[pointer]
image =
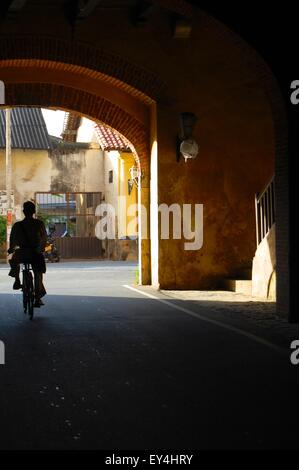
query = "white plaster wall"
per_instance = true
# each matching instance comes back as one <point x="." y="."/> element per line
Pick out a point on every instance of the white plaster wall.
<point x="263" y="265"/>
<point x="111" y="162"/>
<point x="94" y="179"/>
<point x="31" y="172"/>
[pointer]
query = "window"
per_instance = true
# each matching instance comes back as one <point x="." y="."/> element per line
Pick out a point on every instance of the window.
<point x="111" y="176"/>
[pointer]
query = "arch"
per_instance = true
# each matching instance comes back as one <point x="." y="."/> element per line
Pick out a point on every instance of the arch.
<point x="94" y="107"/>
<point x="103" y="98"/>
<point x="133" y="78"/>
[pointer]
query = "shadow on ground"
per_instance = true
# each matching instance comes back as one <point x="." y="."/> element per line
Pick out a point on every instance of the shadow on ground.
<point x="122" y="373"/>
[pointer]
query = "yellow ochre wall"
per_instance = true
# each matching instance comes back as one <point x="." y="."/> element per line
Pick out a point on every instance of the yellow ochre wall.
<point x="126" y="161"/>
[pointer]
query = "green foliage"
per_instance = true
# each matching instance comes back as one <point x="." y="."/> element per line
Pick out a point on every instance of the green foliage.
<point x="71" y="228"/>
<point x="137" y="275"/>
<point x="44" y="218"/>
<point x="2" y="229"/>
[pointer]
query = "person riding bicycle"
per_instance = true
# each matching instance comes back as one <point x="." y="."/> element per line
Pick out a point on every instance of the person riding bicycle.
<point x="28" y="239"/>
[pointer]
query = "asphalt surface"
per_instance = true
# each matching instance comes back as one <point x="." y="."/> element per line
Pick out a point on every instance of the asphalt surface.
<point x="105" y="367"/>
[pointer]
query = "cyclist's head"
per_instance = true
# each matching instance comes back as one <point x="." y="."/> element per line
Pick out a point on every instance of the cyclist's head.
<point x="29" y="208"/>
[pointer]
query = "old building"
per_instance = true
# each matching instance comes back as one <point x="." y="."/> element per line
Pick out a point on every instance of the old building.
<point x="69" y="180"/>
<point x="31" y="144"/>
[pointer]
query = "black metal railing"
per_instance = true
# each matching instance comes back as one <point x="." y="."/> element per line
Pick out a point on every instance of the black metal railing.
<point x="265" y="211"/>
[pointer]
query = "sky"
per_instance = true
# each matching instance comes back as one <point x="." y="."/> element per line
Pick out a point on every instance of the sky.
<point x="54" y="121"/>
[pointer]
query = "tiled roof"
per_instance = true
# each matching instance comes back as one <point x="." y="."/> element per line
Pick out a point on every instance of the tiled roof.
<point x="28" y="129"/>
<point x="110" y="139"/>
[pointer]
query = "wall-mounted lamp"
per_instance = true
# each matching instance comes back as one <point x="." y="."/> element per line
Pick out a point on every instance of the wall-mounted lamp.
<point x="134" y="178"/>
<point x="186" y="145"/>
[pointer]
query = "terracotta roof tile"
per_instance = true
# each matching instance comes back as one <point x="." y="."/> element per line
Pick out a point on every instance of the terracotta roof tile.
<point x="109" y="139"/>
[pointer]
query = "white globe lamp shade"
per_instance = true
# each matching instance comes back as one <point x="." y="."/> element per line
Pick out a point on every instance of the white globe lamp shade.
<point x="189" y="149"/>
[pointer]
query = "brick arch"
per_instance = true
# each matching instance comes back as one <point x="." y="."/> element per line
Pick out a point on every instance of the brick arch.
<point x="41" y="71"/>
<point x="87" y="104"/>
<point x="132" y="77"/>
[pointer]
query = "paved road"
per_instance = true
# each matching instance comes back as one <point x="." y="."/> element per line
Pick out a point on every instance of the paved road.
<point x="103" y="366"/>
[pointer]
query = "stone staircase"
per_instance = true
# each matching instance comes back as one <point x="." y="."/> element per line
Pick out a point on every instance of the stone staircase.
<point x="242" y="284"/>
<point x="260" y="278"/>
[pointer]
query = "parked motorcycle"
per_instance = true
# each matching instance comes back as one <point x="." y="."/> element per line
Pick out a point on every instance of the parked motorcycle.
<point x="51" y="252"/>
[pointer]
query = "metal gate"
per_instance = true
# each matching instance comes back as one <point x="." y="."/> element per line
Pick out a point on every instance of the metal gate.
<point x="71" y="221"/>
<point x="79" y="247"/>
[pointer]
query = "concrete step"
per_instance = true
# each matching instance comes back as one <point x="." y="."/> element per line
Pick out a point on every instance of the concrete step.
<point x="239" y="286"/>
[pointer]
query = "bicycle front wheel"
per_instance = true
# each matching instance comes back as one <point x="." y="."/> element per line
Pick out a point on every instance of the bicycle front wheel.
<point x="30" y="297"/>
<point x="25" y="292"/>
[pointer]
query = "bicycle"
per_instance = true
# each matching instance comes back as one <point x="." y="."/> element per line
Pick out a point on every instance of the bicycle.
<point x="28" y="289"/>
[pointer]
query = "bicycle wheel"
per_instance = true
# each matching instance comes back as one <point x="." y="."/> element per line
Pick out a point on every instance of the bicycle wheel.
<point x="25" y="302"/>
<point x="25" y="292"/>
<point x="30" y="297"/>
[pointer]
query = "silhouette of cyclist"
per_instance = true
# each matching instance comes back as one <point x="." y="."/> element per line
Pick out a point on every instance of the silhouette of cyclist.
<point x="27" y="242"/>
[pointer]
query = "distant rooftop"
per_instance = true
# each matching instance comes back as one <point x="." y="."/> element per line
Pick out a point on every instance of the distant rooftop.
<point x="110" y="139"/>
<point x="28" y="129"/>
